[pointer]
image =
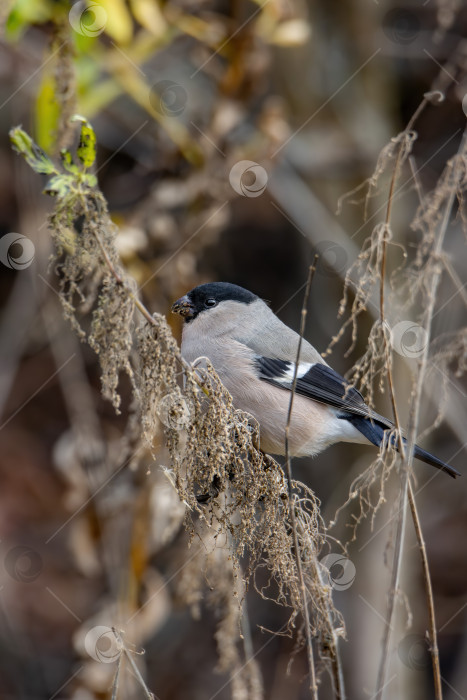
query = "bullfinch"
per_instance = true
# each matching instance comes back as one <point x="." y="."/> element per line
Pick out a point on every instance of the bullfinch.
<point x="254" y="354"/>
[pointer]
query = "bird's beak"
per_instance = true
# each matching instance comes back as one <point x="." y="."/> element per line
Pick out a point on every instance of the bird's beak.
<point x="184" y="307"/>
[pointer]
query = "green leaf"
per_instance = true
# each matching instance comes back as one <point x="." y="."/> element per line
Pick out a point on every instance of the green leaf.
<point x="59" y="186"/>
<point x="25" y="13"/>
<point x="35" y="156"/>
<point x="90" y="180"/>
<point x="67" y="161"/>
<point x="86" y="150"/>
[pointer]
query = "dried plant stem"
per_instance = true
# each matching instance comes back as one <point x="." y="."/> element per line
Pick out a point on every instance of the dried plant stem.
<point x="413" y="423"/>
<point x="429" y="595"/>
<point x="129" y="656"/>
<point x="458" y="283"/>
<point x="387" y="224"/>
<point x="256" y="684"/>
<point x="105" y="255"/>
<point x="336" y="666"/>
<point x="407" y="457"/>
<point x="402" y="509"/>
<point x="139" y="677"/>
<point x="398" y="548"/>
<point x="139" y="305"/>
<point x="414" y="418"/>
<point x="116" y="678"/>
<point x="293" y="520"/>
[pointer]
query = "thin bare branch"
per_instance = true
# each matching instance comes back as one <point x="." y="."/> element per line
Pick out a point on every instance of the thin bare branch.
<point x="335" y="660"/>
<point x="434" y="651"/>
<point x="293" y="521"/>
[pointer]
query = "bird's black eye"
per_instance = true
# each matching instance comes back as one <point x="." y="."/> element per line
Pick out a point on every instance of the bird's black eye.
<point x="210" y="303"/>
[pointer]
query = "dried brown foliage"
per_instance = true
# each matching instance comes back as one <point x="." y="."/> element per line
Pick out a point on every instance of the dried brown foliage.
<point x="406" y="291"/>
<point x="409" y="290"/>
<point x="236" y="497"/>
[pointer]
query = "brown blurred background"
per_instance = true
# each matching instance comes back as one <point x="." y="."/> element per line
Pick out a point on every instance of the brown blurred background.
<point x="178" y="94"/>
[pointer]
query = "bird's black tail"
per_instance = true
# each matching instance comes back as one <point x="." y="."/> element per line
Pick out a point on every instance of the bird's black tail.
<point x="428" y="458"/>
<point x="374" y="433"/>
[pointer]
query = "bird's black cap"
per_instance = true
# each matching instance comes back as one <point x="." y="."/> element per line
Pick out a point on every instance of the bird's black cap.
<point x="221" y="291"/>
<point x="209" y="295"/>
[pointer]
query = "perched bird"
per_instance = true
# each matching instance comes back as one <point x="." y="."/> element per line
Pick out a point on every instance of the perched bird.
<point x="254" y="354"/>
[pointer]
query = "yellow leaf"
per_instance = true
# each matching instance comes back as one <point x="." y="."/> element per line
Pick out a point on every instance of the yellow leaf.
<point x="46" y="114"/>
<point x="119" y="24"/>
<point x="149" y="15"/>
<point x="86" y="150"/>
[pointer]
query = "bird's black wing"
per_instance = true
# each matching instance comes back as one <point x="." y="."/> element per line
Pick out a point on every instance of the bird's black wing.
<point x="318" y="382"/>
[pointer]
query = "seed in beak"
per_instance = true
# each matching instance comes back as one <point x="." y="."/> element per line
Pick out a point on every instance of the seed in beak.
<point x="183" y="307"/>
